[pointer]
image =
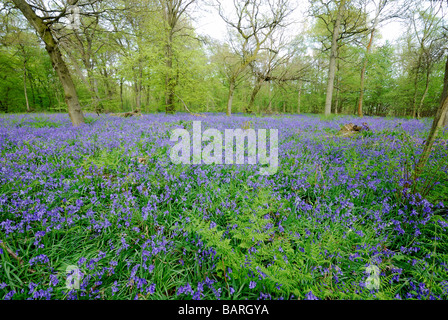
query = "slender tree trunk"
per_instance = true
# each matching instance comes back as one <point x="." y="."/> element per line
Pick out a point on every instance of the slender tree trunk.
<point x="299" y="96"/>
<point x="139" y="86"/>
<point x="169" y="81"/>
<point x="270" y="97"/>
<point x="121" y="94"/>
<point x="333" y="56"/>
<point x="364" y="67"/>
<point x="137" y="93"/>
<point x="366" y="59"/>
<point x="47" y="93"/>
<point x="25" y="91"/>
<point x="148" y="95"/>
<point x="75" y="64"/>
<point x="39" y="97"/>
<point x="93" y="88"/>
<point x="255" y="90"/>
<point x="137" y="98"/>
<point x="106" y="81"/>
<point x="24" y="88"/>
<point x="33" y="91"/>
<point x="89" y="64"/>
<point x="230" y="99"/>
<point x="440" y="119"/>
<point x="71" y="97"/>
<point x="361" y="94"/>
<point x="414" y="98"/>
<point x="336" y="100"/>
<point x="424" y="93"/>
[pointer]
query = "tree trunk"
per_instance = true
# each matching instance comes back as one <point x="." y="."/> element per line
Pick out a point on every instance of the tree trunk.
<point x="71" y="97"/>
<point x="361" y="94"/>
<point x="139" y="86"/>
<point x="270" y="97"/>
<point x="364" y="67"/>
<point x="440" y="119"/>
<point x="106" y="81"/>
<point x="25" y="91"/>
<point x="445" y="121"/>
<point x="33" y="91"/>
<point x="230" y="100"/>
<point x="333" y="56"/>
<point x="255" y="90"/>
<point x="47" y="93"/>
<point x="148" y="96"/>
<point x="363" y="71"/>
<point x="414" y="99"/>
<point x="137" y="93"/>
<point x="93" y="88"/>
<point x="169" y="81"/>
<point x="24" y="88"/>
<point x="75" y="64"/>
<point x="121" y="94"/>
<point x="299" y="96"/>
<point x="420" y="106"/>
<point x="336" y="100"/>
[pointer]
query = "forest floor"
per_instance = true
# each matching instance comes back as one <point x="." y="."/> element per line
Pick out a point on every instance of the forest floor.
<point x="341" y="218"/>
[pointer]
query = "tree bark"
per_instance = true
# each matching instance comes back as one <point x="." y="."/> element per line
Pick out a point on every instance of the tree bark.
<point x="169" y="81"/>
<point x="148" y="96"/>
<point x="24" y="87"/>
<point x="25" y="91"/>
<point x="299" y="96"/>
<point x="440" y="119"/>
<point x="87" y="55"/>
<point x="428" y="71"/>
<point x="121" y="94"/>
<point x="93" y="89"/>
<point x="33" y="91"/>
<point x="414" y="99"/>
<point x="445" y="121"/>
<point x="380" y="7"/>
<point x="230" y="99"/>
<point x="44" y="31"/>
<point x="336" y="100"/>
<point x="255" y="90"/>
<point x="333" y="56"/>
<point x="139" y="86"/>
<point x="363" y="71"/>
<point x="270" y="97"/>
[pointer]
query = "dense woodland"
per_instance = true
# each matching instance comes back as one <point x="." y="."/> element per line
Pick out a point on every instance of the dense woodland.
<point x="126" y="55"/>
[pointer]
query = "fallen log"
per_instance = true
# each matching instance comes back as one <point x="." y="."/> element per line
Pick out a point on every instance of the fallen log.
<point x="350" y="128"/>
<point x="135" y="113"/>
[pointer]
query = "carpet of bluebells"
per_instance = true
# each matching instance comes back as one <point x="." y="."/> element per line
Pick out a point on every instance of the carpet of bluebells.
<point x="106" y="199"/>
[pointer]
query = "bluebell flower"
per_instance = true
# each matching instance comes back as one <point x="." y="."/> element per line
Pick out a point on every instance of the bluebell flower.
<point x="311" y="296"/>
